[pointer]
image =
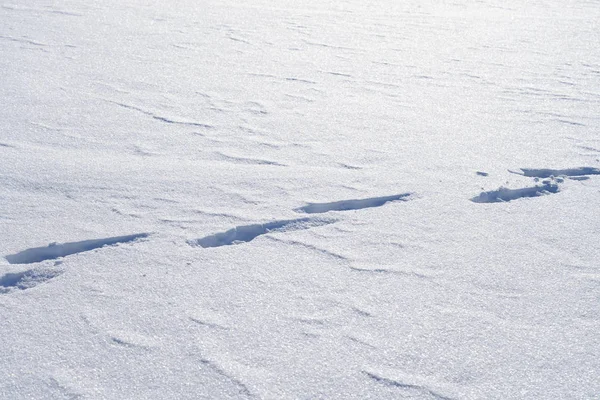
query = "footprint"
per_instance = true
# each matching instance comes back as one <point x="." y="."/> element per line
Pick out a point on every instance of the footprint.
<point x="27" y="279"/>
<point x="546" y="173"/>
<point x="241" y="234"/>
<point x="504" y="194"/>
<point x="56" y="250"/>
<point x="346" y="205"/>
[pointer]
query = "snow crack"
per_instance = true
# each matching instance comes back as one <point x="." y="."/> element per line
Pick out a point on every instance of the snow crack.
<point x="160" y="117"/>
<point x="243" y="389"/>
<point x="404" y="385"/>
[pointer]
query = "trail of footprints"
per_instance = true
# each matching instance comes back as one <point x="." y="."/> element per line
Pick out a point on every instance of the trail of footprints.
<point x="550" y="184"/>
<point x="241" y="234"/>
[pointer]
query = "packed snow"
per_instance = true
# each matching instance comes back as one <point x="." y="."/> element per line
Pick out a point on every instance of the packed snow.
<point x="307" y="199"/>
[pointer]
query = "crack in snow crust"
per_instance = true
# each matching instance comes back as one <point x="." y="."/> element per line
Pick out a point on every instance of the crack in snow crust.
<point x="160" y="117"/>
<point x="57" y="250"/>
<point x="242" y="388"/>
<point x="246" y="233"/>
<point x="347" y="205"/>
<point x="403" y="385"/>
<point x="504" y="194"/>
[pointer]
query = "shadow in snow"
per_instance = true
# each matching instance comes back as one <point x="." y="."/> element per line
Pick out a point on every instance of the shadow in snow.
<point x="56" y="250"/>
<point x="241" y="234"/>
<point x="26" y="279"/>
<point x="546" y="173"/>
<point x="346" y="205"/>
<point x="504" y="194"/>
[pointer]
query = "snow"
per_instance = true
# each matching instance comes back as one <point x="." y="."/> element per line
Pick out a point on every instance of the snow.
<point x="299" y="200"/>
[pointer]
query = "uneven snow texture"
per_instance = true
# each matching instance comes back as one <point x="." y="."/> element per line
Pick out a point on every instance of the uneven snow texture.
<point x="299" y="199"/>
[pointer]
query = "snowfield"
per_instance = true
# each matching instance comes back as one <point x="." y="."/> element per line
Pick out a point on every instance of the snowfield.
<point x="299" y="199"/>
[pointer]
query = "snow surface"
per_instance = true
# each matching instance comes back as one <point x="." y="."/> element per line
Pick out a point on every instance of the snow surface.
<point x="133" y="132"/>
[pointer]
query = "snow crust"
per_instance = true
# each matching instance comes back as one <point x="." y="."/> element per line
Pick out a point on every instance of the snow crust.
<point x="299" y="199"/>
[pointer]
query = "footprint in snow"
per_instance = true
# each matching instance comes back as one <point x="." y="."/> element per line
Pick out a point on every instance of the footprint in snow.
<point x="357" y="204"/>
<point x="28" y="279"/>
<point x="57" y="250"/>
<point x="246" y="233"/>
<point x="547" y="172"/>
<point x="504" y="194"/>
